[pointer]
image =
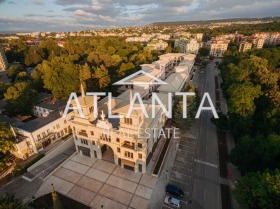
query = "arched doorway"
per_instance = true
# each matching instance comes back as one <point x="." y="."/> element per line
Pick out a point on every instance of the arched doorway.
<point x="107" y="153"/>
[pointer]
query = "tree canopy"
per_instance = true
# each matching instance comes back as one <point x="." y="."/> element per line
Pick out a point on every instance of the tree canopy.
<point x="259" y="190"/>
<point x="9" y="201"/>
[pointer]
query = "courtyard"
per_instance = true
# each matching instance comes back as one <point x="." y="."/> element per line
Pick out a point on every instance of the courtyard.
<point x="100" y="184"/>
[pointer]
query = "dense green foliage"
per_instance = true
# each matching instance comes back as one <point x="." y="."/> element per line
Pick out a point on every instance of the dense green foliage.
<point x="97" y="62"/>
<point x="259" y="190"/>
<point x="257" y="154"/>
<point x="7" y="143"/>
<point x="20" y="94"/>
<point x="192" y="106"/>
<point x="251" y="85"/>
<point x="9" y="201"/>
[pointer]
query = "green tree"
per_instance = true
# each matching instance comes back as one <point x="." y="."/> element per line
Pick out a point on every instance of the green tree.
<point x="259" y="190"/>
<point x="9" y="201"/>
<point x="85" y="74"/>
<point x="13" y="70"/>
<point x="126" y="68"/>
<point x="192" y="106"/>
<point x="7" y="143"/>
<point x="52" y="55"/>
<point x="256" y="154"/>
<point x="168" y="49"/>
<point x="203" y="52"/>
<point x="34" y="56"/>
<point x="61" y="76"/>
<point x="20" y="95"/>
<point x="241" y="98"/>
<point x="103" y="77"/>
<point x="221" y="123"/>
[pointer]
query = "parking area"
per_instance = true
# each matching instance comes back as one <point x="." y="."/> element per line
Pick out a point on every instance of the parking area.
<point x="182" y="170"/>
<point x="100" y="184"/>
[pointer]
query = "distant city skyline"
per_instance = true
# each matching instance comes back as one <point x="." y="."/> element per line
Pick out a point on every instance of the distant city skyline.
<point x="71" y="15"/>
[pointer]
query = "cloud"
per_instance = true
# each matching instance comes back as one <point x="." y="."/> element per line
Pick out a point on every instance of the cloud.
<point x="80" y="12"/>
<point x="37" y="2"/>
<point x="87" y="14"/>
<point x="72" y="2"/>
<point x="107" y="18"/>
<point x="40" y="15"/>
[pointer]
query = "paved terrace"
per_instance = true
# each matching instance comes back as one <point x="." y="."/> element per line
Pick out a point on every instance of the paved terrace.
<point x="97" y="182"/>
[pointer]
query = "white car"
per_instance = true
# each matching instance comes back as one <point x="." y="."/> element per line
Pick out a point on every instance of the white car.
<point x="171" y="201"/>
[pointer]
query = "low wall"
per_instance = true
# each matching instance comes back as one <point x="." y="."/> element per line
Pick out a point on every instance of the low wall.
<point x="56" y="151"/>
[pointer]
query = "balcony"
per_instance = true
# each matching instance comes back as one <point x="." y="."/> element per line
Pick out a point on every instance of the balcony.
<point x="129" y="146"/>
<point x="82" y="133"/>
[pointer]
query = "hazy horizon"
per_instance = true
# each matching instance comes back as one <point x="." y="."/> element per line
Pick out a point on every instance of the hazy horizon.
<point x="73" y="15"/>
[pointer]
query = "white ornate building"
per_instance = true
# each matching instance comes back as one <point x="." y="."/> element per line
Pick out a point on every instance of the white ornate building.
<point x="120" y="141"/>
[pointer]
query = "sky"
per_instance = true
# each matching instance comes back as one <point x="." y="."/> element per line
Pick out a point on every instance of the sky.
<point x="72" y="15"/>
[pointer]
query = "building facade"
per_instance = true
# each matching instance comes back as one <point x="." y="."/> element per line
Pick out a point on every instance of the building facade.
<point x="117" y="140"/>
<point x="157" y="45"/>
<point x="245" y="46"/>
<point x="218" y="47"/>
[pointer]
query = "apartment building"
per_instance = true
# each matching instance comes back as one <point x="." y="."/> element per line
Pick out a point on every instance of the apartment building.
<point x="218" y="47"/>
<point x="257" y="42"/>
<point x="197" y="36"/>
<point x="270" y="38"/>
<point x="3" y="60"/>
<point x="188" y="45"/>
<point x="245" y="46"/>
<point x="157" y="45"/>
<point x="254" y="41"/>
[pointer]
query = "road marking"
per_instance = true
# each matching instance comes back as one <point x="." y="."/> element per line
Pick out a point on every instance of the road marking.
<point x="206" y="163"/>
<point x="26" y="178"/>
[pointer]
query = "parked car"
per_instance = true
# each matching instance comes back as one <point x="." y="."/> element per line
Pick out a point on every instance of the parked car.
<point x="174" y="190"/>
<point x="171" y="201"/>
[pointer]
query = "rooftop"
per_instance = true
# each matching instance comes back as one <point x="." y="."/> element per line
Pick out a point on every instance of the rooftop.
<point x="126" y="95"/>
<point x="171" y="55"/>
<point x="50" y="103"/>
<point x="175" y="83"/>
<point x="40" y="122"/>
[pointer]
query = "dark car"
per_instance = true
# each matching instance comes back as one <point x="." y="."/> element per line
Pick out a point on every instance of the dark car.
<point x="174" y="190"/>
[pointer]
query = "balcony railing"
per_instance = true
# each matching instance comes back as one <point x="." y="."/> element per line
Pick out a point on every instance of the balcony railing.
<point x="129" y="146"/>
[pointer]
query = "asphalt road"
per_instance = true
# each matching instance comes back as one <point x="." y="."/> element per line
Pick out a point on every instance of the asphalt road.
<point x="25" y="189"/>
<point x="206" y="189"/>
